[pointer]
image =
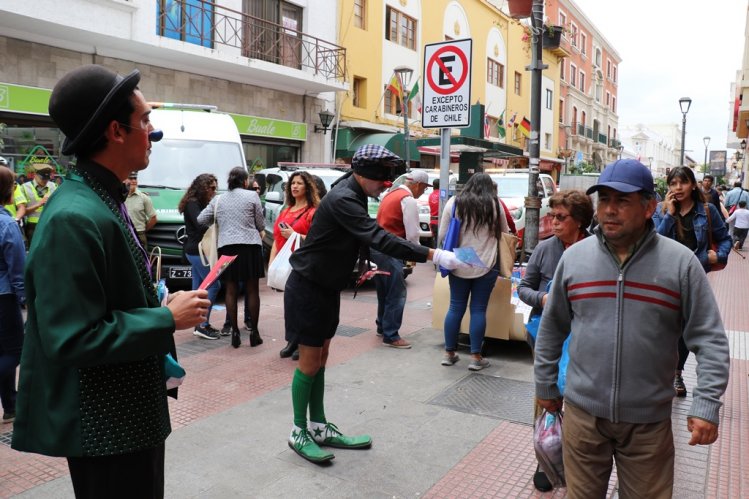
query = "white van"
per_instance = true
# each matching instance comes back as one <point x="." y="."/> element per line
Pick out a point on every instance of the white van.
<point x="197" y="139"/>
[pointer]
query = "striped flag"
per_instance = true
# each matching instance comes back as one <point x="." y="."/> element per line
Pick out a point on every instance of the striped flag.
<point x="395" y="86"/>
<point x="487" y="130"/>
<point x="415" y="98"/>
<point x="525" y="127"/>
<point x="501" y="125"/>
<point x="511" y="123"/>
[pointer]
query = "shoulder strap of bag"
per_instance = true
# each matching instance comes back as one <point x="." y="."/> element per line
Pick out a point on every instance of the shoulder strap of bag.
<point x="300" y="215"/>
<point x="215" y="211"/>
<point x="709" y="227"/>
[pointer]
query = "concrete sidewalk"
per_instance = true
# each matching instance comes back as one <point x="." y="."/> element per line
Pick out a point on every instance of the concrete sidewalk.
<point x="437" y="431"/>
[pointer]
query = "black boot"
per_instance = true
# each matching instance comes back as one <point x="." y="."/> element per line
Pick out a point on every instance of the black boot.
<point x="288" y="350"/>
<point x="255" y="338"/>
<point x="235" y="339"/>
<point x="541" y="481"/>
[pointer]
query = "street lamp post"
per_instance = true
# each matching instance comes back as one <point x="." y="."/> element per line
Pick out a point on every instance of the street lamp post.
<point x="621" y="150"/>
<point x="684" y="104"/>
<point x="706" y="140"/>
<point x="404" y="74"/>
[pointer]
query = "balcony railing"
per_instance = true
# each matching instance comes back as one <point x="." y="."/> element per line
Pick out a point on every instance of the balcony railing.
<point x="602" y="139"/>
<point x="208" y="24"/>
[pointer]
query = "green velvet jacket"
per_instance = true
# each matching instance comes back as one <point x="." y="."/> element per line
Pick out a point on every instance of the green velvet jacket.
<point x="92" y="376"/>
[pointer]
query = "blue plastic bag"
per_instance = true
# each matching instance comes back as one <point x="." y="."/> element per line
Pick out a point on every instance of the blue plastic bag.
<point x="451" y="239"/>
<point x="532" y="327"/>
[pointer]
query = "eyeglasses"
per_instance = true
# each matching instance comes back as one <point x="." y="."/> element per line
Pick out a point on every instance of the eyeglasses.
<point x="559" y="217"/>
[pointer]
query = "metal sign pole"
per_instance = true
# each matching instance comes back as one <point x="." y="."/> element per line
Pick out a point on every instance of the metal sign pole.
<point x="533" y="202"/>
<point x="444" y="173"/>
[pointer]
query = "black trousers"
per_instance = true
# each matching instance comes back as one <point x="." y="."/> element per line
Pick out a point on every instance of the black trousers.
<point x="138" y="474"/>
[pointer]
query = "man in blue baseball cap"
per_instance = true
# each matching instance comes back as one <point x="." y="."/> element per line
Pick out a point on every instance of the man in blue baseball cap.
<point x="626" y="296"/>
<point x="341" y="232"/>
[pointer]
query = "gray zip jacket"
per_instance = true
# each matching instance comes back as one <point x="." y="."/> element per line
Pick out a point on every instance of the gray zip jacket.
<point x="625" y="325"/>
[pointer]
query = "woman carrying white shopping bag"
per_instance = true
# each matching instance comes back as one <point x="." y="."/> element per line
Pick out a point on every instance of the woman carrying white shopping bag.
<point x="302" y="198"/>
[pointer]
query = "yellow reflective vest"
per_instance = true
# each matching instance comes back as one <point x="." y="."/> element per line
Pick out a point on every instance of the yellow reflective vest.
<point x="31" y="195"/>
<point x="18" y="197"/>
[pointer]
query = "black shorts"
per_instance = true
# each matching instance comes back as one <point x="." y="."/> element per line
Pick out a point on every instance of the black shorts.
<point x="311" y="312"/>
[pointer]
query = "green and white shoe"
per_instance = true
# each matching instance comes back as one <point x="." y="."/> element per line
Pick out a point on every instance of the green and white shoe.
<point x="327" y="434"/>
<point x="303" y="444"/>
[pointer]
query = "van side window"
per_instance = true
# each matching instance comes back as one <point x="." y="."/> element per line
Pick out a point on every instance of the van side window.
<point x="548" y="186"/>
<point x="274" y="183"/>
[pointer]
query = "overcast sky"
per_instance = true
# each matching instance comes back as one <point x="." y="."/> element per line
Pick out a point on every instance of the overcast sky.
<point x="672" y="49"/>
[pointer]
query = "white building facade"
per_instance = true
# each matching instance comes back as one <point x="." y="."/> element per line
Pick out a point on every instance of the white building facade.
<point x="272" y="64"/>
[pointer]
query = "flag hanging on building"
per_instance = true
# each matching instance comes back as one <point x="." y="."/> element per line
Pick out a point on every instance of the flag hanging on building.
<point x="525" y="127"/>
<point x="415" y="98"/>
<point x="395" y="86"/>
<point x="501" y="125"/>
<point x="487" y="130"/>
<point x="511" y="123"/>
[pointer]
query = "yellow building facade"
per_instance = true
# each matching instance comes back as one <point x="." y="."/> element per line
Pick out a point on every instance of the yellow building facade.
<point x="381" y="35"/>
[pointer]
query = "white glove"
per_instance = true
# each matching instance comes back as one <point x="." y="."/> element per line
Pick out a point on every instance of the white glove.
<point x="448" y="260"/>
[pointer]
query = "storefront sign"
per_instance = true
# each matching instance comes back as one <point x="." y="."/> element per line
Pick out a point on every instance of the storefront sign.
<point x="266" y="127"/>
<point x="37" y="158"/>
<point x="22" y="99"/>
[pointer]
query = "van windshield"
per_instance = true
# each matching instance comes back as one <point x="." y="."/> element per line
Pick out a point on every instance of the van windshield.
<point x="175" y="163"/>
<point x="511" y="187"/>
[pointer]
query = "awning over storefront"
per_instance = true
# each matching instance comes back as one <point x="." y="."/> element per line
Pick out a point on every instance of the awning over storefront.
<point x="435" y="151"/>
<point x="350" y="139"/>
<point x="459" y="143"/>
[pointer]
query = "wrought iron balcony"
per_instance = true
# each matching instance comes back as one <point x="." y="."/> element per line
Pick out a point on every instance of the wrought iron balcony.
<point x="211" y="25"/>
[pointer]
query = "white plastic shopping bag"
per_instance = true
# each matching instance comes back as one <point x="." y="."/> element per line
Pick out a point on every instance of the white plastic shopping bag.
<point x="547" y="441"/>
<point x="279" y="270"/>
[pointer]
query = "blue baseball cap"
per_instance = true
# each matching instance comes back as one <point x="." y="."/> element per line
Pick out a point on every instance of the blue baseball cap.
<point x="625" y="175"/>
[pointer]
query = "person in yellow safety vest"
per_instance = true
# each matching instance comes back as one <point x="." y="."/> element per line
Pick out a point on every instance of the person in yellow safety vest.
<point x="36" y="193"/>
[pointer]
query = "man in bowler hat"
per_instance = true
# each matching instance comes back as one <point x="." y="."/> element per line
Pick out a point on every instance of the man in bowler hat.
<point x="92" y="386"/>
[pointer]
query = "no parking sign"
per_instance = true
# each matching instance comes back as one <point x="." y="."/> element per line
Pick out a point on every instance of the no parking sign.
<point x="447" y="84"/>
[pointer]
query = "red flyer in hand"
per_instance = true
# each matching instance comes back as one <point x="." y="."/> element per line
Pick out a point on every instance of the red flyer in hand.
<point x="221" y="264"/>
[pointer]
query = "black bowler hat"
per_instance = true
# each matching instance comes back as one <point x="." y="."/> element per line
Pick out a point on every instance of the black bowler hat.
<point x="84" y="101"/>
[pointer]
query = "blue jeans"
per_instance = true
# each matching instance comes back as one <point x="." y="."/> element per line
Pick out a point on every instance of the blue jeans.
<point x="199" y="272"/>
<point x="479" y="290"/>
<point x="391" y="296"/>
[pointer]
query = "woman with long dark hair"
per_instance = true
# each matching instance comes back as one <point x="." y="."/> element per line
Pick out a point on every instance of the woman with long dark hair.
<point x="199" y="194"/>
<point x="683" y="216"/>
<point x="481" y="222"/>
<point x="301" y="202"/>
<point x="240" y="220"/>
<point x="12" y="296"/>
<point x="301" y="199"/>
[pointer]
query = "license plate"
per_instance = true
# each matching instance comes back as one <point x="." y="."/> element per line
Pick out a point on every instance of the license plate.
<point x="180" y="272"/>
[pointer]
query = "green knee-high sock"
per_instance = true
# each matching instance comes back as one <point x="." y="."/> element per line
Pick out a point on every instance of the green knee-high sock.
<point x="316" y="406"/>
<point x="301" y="387"/>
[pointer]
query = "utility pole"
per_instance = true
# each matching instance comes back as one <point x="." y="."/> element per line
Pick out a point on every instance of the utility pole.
<point x="533" y="201"/>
